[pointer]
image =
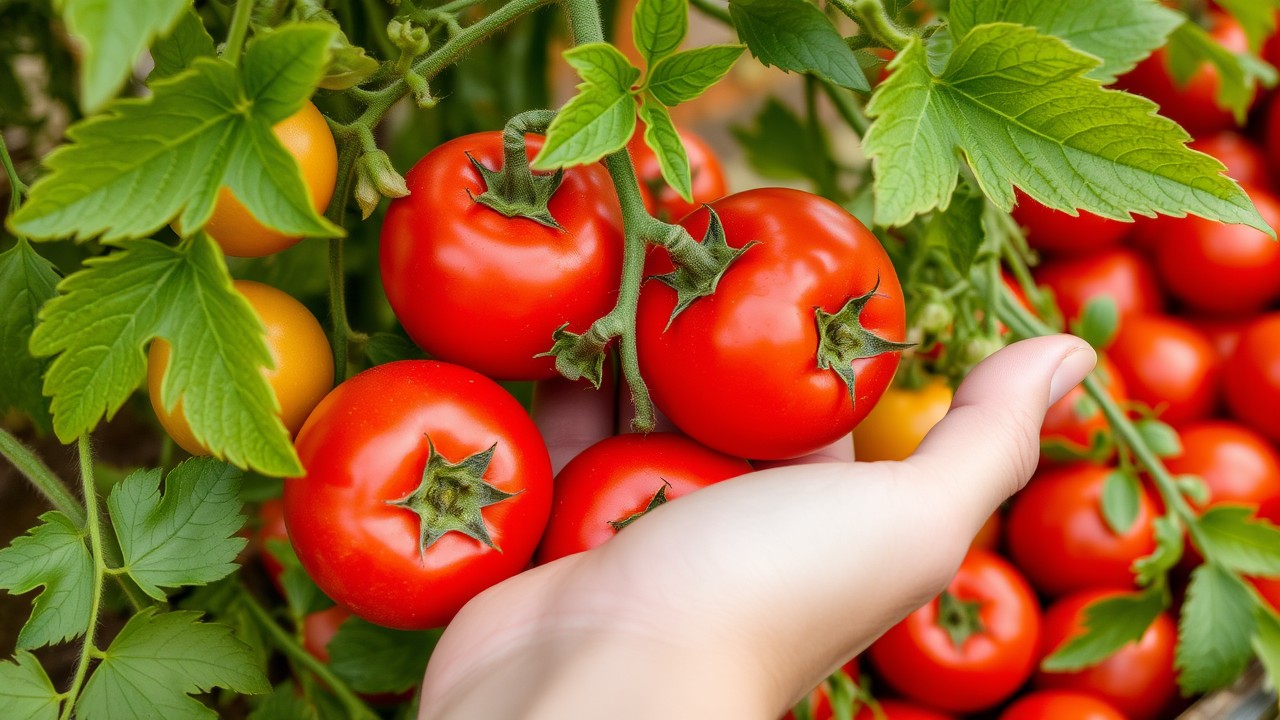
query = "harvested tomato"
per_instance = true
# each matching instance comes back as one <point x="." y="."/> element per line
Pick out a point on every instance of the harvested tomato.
<point x="1060" y="705"/>
<point x="1076" y="420"/>
<point x="1251" y="377"/>
<point x="425" y="484"/>
<point x="971" y="647"/>
<point x="705" y="174"/>
<point x="475" y="287"/>
<point x="1057" y="535"/>
<point x="739" y="370"/>
<point x="896" y="425"/>
<point x="1058" y="232"/>
<point x="1169" y="366"/>
<point x="1244" y="160"/>
<point x="612" y="483"/>
<point x="1137" y="680"/>
<point x="1119" y="274"/>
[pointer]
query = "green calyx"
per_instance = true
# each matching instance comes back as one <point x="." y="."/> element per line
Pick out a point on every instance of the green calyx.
<point x="515" y="191"/>
<point x="577" y="356"/>
<point x="451" y="496"/>
<point x="699" y="266"/>
<point x="659" y="498"/>
<point x="842" y="339"/>
<point x="961" y="619"/>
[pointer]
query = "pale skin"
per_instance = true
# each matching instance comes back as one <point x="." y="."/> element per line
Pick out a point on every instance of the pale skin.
<point x="737" y="600"/>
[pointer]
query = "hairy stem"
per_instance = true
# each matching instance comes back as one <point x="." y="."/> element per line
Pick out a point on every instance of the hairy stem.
<point x="38" y="473"/>
<point x="340" y="332"/>
<point x="17" y="189"/>
<point x="239" y="28"/>
<point x="873" y="20"/>
<point x="93" y="524"/>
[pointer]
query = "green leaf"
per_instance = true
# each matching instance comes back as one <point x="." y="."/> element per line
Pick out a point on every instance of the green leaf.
<point x="1266" y="642"/>
<point x="374" y="659"/>
<point x="112" y="35"/>
<point x="285" y="702"/>
<point x="796" y="36"/>
<point x="1009" y="100"/>
<point x="1238" y="75"/>
<point x="53" y="555"/>
<point x="27" y="281"/>
<point x="601" y="118"/>
<point x="1214" y="631"/>
<point x="658" y="27"/>
<point x="178" y="50"/>
<point x="1099" y="322"/>
<point x="348" y="64"/>
<point x="1119" y="33"/>
<point x="1257" y="17"/>
<point x="186" y="537"/>
<point x="25" y="690"/>
<point x="1231" y="536"/>
<point x="781" y="146"/>
<point x="132" y="169"/>
<point x="661" y="136"/>
<point x="109" y="310"/>
<point x="959" y="229"/>
<point x="158" y="660"/>
<point x="686" y="75"/>
<point x="1169" y="546"/>
<point x="1121" y="495"/>
<point x="383" y="348"/>
<point x="1160" y="437"/>
<point x="1110" y="624"/>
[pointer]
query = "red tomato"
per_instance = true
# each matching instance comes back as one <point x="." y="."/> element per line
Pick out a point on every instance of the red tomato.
<point x="614" y="481"/>
<point x="474" y="287"/>
<point x="1076" y="419"/>
<point x="1056" y="533"/>
<point x="705" y="174"/>
<point x="1223" y="333"/>
<point x="1252" y="377"/>
<point x="918" y="658"/>
<point x="898" y="710"/>
<point x="1244" y="160"/>
<point x="1059" y="705"/>
<point x="1120" y="274"/>
<point x="1194" y="105"/>
<point x="1237" y="464"/>
<point x="369" y="502"/>
<point x="1137" y="680"/>
<point x="318" y="629"/>
<point x="1271" y="132"/>
<point x="1166" y="364"/>
<point x="1055" y="231"/>
<point x="737" y="370"/>
<point x="1219" y="268"/>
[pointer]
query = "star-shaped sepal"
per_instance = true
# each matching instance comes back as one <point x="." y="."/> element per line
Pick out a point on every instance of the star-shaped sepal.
<point x="698" y="272"/>
<point x="451" y="496"/>
<point x="515" y="191"/>
<point x="577" y="356"/>
<point x="842" y="339"/>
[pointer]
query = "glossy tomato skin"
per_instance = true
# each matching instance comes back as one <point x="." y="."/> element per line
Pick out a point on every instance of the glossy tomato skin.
<point x="474" y="287"/>
<point x="918" y="659"/>
<point x="899" y="710"/>
<point x="705" y="174"/>
<point x="1238" y="465"/>
<point x="306" y="136"/>
<point x="617" y="477"/>
<point x="1120" y="274"/>
<point x="737" y="370"/>
<point x="366" y="445"/>
<point x="1252" y="377"/>
<point x="300" y="351"/>
<point x="1244" y="160"/>
<point x="1138" y="680"/>
<point x="1054" y="231"/>
<point x="1057" y="536"/>
<point x="896" y="425"/>
<point x="1073" y="421"/>
<point x="1167" y="364"/>
<point x="1222" y="269"/>
<point x="1060" y="705"/>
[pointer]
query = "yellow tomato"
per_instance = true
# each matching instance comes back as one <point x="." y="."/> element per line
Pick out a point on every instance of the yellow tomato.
<point x="303" y="371"/>
<point x="306" y="136"/>
<point x="898" y="423"/>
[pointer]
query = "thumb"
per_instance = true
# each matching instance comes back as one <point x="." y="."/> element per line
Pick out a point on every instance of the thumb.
<point x="988" y="445"/>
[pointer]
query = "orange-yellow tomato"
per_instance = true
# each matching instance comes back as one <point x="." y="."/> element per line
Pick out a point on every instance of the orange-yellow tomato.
<point x="306" y="136"/>
<point x="303" y="371"/>
<point x="900" y="421"/>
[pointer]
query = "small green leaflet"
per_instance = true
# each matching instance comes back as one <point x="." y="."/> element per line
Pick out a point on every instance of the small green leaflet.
<point x="1118" y="32"/>
<point x="1235" y="539"/>
<point x="959" y="229"/>
<point x="386" y="347"/>
<point x="186" y="537"/>
<point x="112" y="35"/>
<point x="1151" y="570"/>
<point x="598" y="120"/>
<point x="1214" y="631"/>
<point x="684" y="76"/>
<point x="27" y="281"/>
<point x="1009" y="100"/>
<point x="796" y="36"/>
<point x="658" y="27"/>
<point x="300" y="591"/>
<point x="285" y="702"/>
<point x="1257" y="17"/>
<point x="780" y="146"/>
<point x="157" y="660"/>
<point x="1266" y="642"/>
<point x="1121" y="497"/>
<point x="52" y="554"/>
<point x="1162" y="439"/>
<point x="1099" y="322"/>
<point x="1238" y="75"/>
<point x="177" y="51"/>
<point x="25" y="690"/>
<point x="107" y="313"/>
<point x="661" y="136"/>
<point x="348" y="64"/>
<point x="132" y="169"/>
<point x="374" y="659"/>
<point x="1110" y="624"/>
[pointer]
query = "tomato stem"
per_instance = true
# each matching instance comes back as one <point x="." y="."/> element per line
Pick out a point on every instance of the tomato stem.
<point x="17" y="188"/>
<point x="340" y="332"/>
<point x="711" y="10"/>
<point x="239" y="28"/>
<point x="38" y="473"/>
<point x="93" y="525"/>
<point x="873" y="20"/>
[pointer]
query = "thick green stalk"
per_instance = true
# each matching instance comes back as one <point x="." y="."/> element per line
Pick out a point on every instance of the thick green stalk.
<point x="239" y="28"/>
<point x="39" y="474"/>
<point x="711" y="10"/>
<point x="17" y="188"/>
<point x="873" y="20"/>
<point x="340" y="332"/>
<point x="93" y="524"/>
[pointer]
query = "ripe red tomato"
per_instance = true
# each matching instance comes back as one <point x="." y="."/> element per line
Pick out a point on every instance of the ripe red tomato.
<point x="1076" y="419"/>
<point x="1224" y="269"/>
<point x="1060" y="705"/>
<point x="1237" y="464"/>
<point x="1252" y="377"/>
<point x="738" y="370"/>
<point x="1194" y="105"/>
<point x="1168" y="365"/>
<point x="898" y="710"/>
<point x="1120" y="274"/>
<point x="1054" y="231"/>
<point x="615" y="480"/>
<point x="706" y="176"/>
<point x="1057" y="535"/>
<point x="1244" y="160"/>
<point x="363" y="518"/>
<point x="318" y="629"/>
<point x="1137" y="680"/>
<point x="474" y="287"/>
<point x="919" y="659"/>
<point x="900" y="420"/>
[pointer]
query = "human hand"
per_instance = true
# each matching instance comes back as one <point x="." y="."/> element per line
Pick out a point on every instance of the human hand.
<point x="738" y="599"/>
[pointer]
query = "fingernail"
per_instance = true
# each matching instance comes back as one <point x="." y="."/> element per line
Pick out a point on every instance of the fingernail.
<point x="1073" y="369"/>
